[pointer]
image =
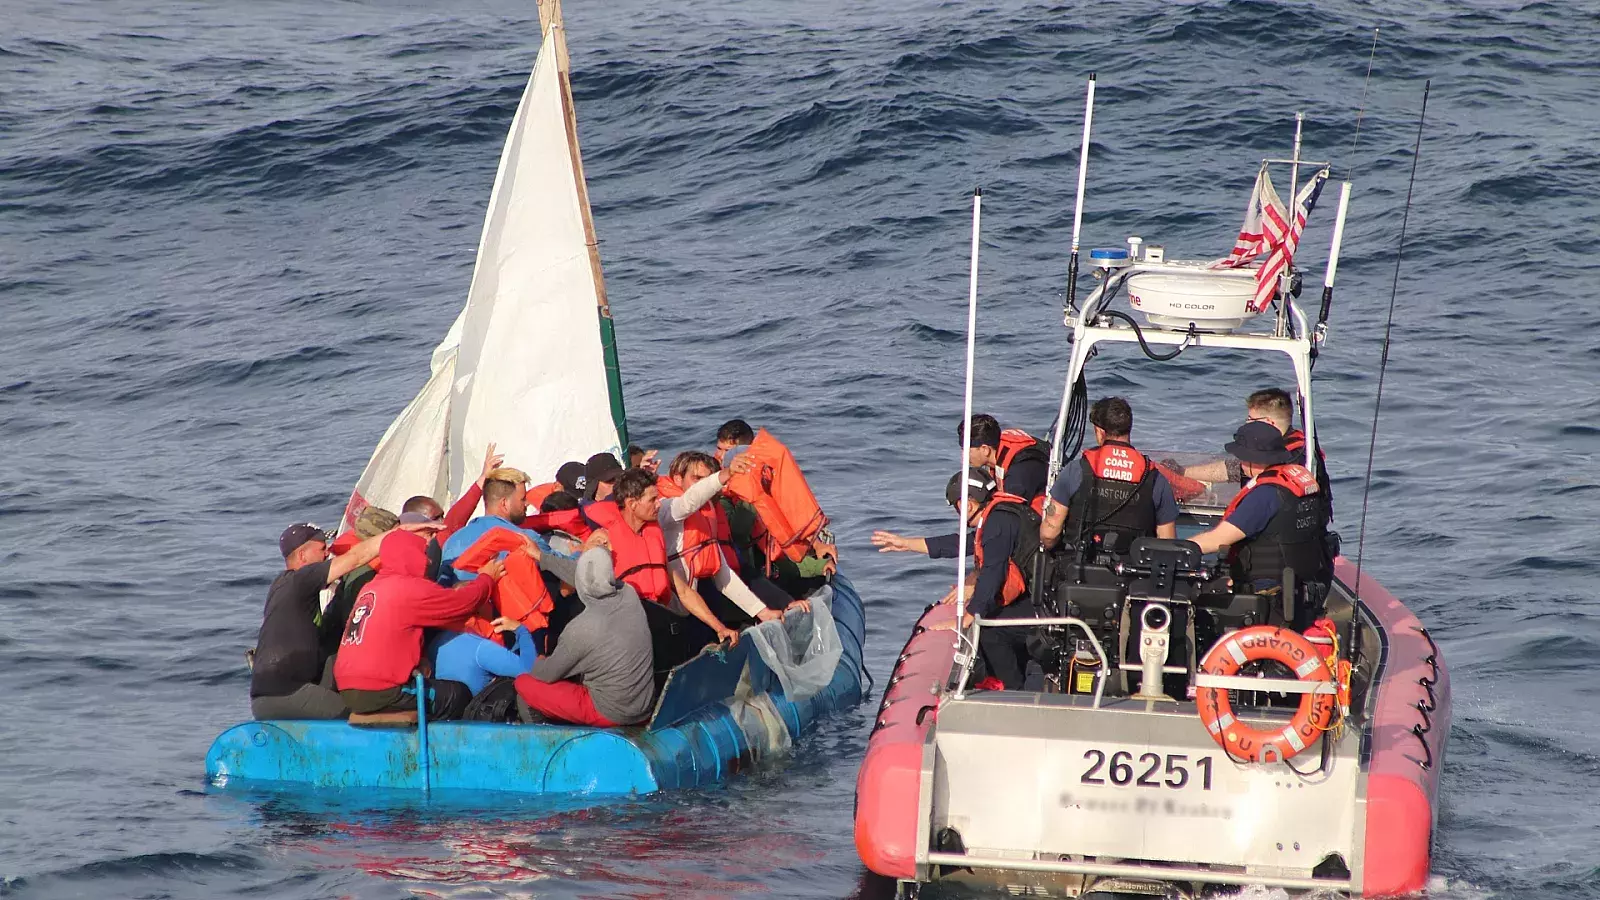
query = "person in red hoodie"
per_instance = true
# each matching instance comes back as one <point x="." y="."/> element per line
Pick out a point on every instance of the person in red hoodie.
<point x="382" y="645"/>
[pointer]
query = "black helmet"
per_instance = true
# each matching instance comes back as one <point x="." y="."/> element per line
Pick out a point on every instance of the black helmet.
<point x="980" y="487"/>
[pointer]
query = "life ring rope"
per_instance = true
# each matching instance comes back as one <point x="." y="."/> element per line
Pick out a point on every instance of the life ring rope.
<point x="1259" y="643"/>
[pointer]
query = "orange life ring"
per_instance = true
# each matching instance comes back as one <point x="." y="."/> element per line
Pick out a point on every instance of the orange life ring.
<point x="1263" y="642"/>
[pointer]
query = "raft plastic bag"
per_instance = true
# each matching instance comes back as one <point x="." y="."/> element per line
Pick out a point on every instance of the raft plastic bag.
<point x="802" y="649"/>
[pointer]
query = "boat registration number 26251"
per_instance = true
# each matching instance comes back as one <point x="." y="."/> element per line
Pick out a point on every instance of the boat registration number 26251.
<point x="1150" y="770"/>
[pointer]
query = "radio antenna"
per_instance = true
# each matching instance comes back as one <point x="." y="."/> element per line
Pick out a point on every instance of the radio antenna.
<point x="1319" y="333"/>
<point x="1388" y="326"/>
<point x="1361" y="111"/>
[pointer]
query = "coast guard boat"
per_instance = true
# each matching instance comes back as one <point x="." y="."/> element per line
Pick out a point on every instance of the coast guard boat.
<point x="530" y="363"/>
<point x="1176" y="738"/>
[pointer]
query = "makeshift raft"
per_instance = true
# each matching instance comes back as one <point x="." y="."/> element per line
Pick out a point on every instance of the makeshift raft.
<point x="722" y="712"/>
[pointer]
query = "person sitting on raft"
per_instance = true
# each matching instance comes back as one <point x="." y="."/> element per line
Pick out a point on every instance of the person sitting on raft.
<point x="382" y="645"/>
<point x="699" y="545"/>
<point x="372" y="522"/>
<point x="475" y="661"/>
<point x="291" y="678"/>
<point x="774" y="521"/>
<point x="505" y="505"/>
<point x="601" y="673"/>
<point x="634" y="518"/>
<point x="600" y="476"/>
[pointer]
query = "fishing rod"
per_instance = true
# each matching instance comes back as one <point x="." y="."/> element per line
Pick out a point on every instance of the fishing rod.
<point x="966" y="438"/>
<point x="1077" y="215"/>
<point x="1388" y="327"/>
<point x="1319" y="333"/>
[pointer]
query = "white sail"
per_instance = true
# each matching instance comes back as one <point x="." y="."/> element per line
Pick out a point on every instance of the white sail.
<point x="531" y="371"/>
<point x="523" y="365"/>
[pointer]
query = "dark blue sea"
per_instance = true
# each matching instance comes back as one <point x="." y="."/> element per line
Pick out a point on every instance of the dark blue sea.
<point x="230" y="234"/>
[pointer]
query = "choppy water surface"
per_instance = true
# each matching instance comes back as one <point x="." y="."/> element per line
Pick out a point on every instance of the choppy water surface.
<point x="230" y="234"/>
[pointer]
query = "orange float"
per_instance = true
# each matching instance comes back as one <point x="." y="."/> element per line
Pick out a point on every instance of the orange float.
<point x="1255" y="644"/>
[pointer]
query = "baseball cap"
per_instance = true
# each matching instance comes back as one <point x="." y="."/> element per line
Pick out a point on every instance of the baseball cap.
<point x="600" y="467"/>
<point x="980" y="487"/>
<point x="374" y="521"/>
<point x="296" y="536"/>
<point x="1260" y="443"/>
<point x="571" y="477"/>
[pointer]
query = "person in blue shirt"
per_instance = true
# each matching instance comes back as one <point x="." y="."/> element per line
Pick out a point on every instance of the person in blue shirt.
<point x="1113" y="495"/>
<point x="1279" y="521"/>
<point x="474" y="661"/>
<point x="505" y="505"/>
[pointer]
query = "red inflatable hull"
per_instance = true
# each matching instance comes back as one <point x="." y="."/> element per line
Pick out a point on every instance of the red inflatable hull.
<point x="1411" y="720"/>
<point x="889" y="779"/>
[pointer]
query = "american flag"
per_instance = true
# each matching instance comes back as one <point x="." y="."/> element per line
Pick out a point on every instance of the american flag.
<point x="1267" y="230"/>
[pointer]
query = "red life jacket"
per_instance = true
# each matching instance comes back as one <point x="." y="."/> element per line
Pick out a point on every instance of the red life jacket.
<point x="1015" y="445"/>
<point x="538" y="493"/>
<point x="1114" y="497"/>
<point x="639" y="557"/>
<point x="1295" y="537"/>
<point x="1019" y="568"/>
<point x="700" y="553"/>
<point x="570" y="521"/>
<point x="1292" y="477"/>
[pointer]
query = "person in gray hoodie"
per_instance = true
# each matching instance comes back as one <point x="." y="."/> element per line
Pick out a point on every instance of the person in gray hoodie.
<point x="601" y="672"/>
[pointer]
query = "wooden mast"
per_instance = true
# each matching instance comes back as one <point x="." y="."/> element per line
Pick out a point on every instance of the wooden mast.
<point x="551" y="23"/>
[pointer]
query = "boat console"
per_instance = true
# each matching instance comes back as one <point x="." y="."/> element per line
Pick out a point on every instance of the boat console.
<point x="1157" y="610"/>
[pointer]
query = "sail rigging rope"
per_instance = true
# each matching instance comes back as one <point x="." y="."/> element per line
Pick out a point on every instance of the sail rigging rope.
<point x="1388" y="327"/>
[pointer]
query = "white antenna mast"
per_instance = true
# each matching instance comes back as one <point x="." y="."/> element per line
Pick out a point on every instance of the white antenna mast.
<point x="966" y="429"/>
<point x="1077" y="215"/>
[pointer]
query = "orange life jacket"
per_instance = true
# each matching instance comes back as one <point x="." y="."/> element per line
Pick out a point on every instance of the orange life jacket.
<point x="700" y="553"/>
<point x="1019" y="566"/>
<point x="1017" y="444"/>
<point x="521" y="594"/>
<point x="787" y="515"/>
<point x="538" y="493"/>
<point x="639" y="557"/>
<point x="570" y="521"/>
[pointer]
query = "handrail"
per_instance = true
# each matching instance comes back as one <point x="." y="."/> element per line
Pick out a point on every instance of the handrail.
<point x="1105" y="661"/>
<point x="1126" y="870"/>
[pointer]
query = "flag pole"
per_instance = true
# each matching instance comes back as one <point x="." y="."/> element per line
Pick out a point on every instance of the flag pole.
<point x="966" y="433"/>
<point x="1077" y="215"/>
<point x="1284" y="277"/>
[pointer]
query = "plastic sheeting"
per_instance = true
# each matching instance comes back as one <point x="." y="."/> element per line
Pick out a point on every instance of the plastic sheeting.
<point x="803" y="649"/>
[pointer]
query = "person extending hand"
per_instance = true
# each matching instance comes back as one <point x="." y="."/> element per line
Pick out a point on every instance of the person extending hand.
<point x="494" y="568"/>
<point x="889" y="542"/>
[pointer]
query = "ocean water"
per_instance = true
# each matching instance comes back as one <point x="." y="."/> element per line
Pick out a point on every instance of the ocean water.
<point x="230" y="233"/>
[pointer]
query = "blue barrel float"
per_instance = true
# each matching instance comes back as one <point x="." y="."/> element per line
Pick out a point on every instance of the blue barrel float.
<point x="719" y="713"/>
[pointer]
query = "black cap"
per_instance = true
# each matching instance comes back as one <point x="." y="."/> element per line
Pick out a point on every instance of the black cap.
<point x="571" y="478"/>
<point x="980" y="487"/>
<point x="1260" y="443"/>
<point x="296" y="536"/>
<point x="600" y="467"/>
